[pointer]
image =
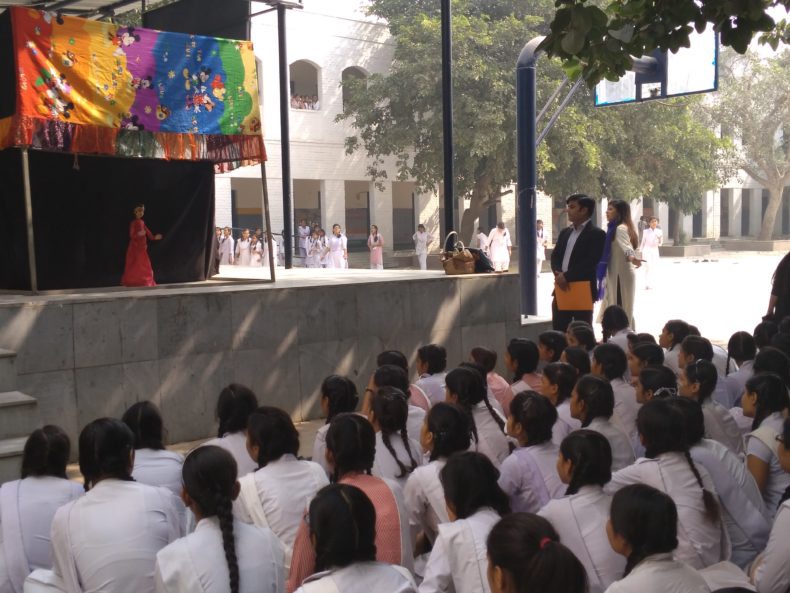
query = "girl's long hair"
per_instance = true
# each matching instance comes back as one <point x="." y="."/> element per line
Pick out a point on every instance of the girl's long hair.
<point x="624" y="217"/>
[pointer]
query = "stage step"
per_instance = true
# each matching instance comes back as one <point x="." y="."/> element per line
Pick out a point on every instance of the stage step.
<point x="18" y="414"/>
<point x="7" y="370"/>
<point x="11" y="458"/>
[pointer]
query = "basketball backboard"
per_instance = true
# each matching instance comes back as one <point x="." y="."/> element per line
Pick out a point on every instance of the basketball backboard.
<point x="664" y="74"/>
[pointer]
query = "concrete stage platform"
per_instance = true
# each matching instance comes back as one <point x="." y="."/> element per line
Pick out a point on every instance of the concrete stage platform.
<point x="94" y="352"/>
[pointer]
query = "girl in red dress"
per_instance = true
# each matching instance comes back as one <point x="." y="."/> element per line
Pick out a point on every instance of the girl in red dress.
<point x="138" y="271"/>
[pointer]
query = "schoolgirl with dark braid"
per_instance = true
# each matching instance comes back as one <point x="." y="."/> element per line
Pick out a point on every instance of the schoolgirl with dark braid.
<point x="222" y="555"/>
<point x="397" y="455"/>
<point x="643" y="527"/>
<point x="338" y="396"/>
<point x="668" y="466"/>
<point x="466" y="387"/>
<point x="580" y="517"/>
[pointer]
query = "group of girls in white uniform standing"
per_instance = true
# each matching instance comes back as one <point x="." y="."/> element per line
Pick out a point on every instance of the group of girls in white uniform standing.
<point x="598" y="469"/>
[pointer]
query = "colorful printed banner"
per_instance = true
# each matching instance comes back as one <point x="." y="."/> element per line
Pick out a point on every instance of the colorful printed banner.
<point x="91" y="86"/>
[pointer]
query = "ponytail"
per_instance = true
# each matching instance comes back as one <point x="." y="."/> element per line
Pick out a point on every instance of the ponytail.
<point x="391" y="410"/>
<point x="711" y="505"/>
<point x="469" y="386"/>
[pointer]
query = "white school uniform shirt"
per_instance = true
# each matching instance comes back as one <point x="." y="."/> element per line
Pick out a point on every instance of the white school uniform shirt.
<point x="158" y="468"/>
<point x="414" y="423"/>
<point x="622" y="449"/>
<point x="243" y="252"/>
<point x="771" y="571"/>
<point x="565" y="423"/>
<point x="498" y="243"/>
<point x="762" y="444"/>
<point x="433" y="386"/>
<point x="459" y="560"/>
<point x="735" y="383"/>
<point x="277" y="495"/>
<point x="701" y="542"/>
<point x="720" y="392"/>
<point x="319" y="448"/>
<point x="625" y="409"/>
<point x="361" y="577"/>
<point x="660" y="573"/>
<point x="580" y="521"/>
<point x="621" y="339"/>
<point x="235" y="443"/>
<point x="421" y="240"/>
<point x="482" y="242"/>
<point x="529" y="477"/>
<point x="424" y="497"/>
<point x="27" y="508"/>
<point x="304" y="233"/>
<point x="491" y="441"/>
<point x="721" y="426"/>
<point x="742" y="505"/>
<point x="720" y="357"/>
<point x="671" y="358"/>
<point x="385" y="465"/>
<point x="107" y="540"/>
<point x="196" y="563"/>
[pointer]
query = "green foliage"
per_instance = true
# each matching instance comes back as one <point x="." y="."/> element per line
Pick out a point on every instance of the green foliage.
<point x="598" y="43"/>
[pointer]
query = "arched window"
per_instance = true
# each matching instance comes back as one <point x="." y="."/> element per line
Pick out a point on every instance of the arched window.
<point x="350" y="77"/>
<point x="305" y="85"/>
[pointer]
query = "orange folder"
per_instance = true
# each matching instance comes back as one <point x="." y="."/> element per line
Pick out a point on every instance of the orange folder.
<point x="577" y="298"/>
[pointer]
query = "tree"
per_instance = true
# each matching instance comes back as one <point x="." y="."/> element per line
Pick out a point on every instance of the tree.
<point x="599" y="43"/>
<point x="754" y="108"/>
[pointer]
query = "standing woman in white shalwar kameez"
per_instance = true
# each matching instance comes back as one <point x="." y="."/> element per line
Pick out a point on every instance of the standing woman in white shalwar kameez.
<point x="540" y="246"/>
<point x="153" y="464"/>
<point x="222" y="555"/>
<point x="500" y="247"/>
<point x="652" y="239"/>
<point x="376" y="247"/>
<point x="276" y="495"/>
<point x="27" y="506"/>
<point x="256" y="252"/>
<point x="337" y="249"/>
<point x="108" y="539"/>
<point x="525" y="555"/>
<point x="580" y="517"/>
<point x="342" y="523"/>
<point x="422" y="240"/>
<point x="475" y="503"/>
<point x="314" y="250"/>
<point x="643" y="527"/>
<point x="243" y="249"/>
<point x="618" y="261"/>
<point x="467" y="388"/>
<point x="234" y="406"/>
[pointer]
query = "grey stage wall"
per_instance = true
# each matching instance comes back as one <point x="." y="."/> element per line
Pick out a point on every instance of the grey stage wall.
<point x="94" y="356"/>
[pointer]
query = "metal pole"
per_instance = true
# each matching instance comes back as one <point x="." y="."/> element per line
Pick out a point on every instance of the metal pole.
<point x="556" y="114"/>
<point x="526" y="125"/>
<point x="31" y="244"/>
<point x="447" y="117"/>
<point x="267" y="218"/>
<point x="285" y="140"/>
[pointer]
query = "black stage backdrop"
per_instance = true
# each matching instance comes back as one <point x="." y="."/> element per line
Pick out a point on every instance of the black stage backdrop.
<point x="81" y="213"/>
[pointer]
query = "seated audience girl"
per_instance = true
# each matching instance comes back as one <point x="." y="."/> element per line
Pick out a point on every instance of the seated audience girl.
<point x="557" y="384"/>
<point x="475" y="503"/>
<point x="742" y="349"/>
<point x="498" y="386"/>
<point x="551" y="344"/>
<point x="389" y="376"/>
<point x="672" y="335"/>
<point x="277" y="494"/>
<point x="397" y="454"/>
<point x="27" y="506"/>
<point x="578" y="358"/>
<point x="655" y="382"/>
<point x="580" y="334"/>
<point x="592" y="403"/>
<point x="615" y="327"/>
<point x="234" y="406"/>
<point x="609" y="362"/>
<point x="525" y="555"/>
<point x="342" y="523"/>
<point x="338" y="396"/>
<point x="580" y="517"/>
<point x="521" y="359"/>
<point x="643" y="527"/>
<point x="222" y="554"/>
<point x="643" y="355"/>
<point x="107" y="539"/>
<point x="529" y="475"/>
<point x="153" y="464"/>
<point x="431" y="362"/>
<point x="668" y="466"/>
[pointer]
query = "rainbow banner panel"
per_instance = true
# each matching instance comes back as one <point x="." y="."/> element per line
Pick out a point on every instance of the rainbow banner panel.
<point x="92" y="87"/>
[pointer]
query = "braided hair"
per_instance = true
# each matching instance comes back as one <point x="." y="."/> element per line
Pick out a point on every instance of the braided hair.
<point x="209" y="476"/>
<point x="524" y="355"/>
<point x="647" y="519"/>
<point x="590" y="455"/>
<point x="527" y="547"/>
<point x="469" y="387"/>
<point x="351" y="441"/>
<point x="661" y="427"/>
<point x="578" y="358"/>
<point x="598" y="398"/>
<point x="660" y="380"/>
<point x="583" y="333"/>
<point x="341" y="395"/>
<point x="390" y="410"/>
<point x="771" y="396"/>
<point x="703" y="373"/>
<point x="536" y="415"/>
<point x="740" y="347"/>
<point x="470" y="483"/>
<point x="449" y="425"/>
<point x="105" y="449"/>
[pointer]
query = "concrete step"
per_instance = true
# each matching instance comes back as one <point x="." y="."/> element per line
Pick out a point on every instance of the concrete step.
<point x="7" y="370"/>
<point x="11" y="458"/>
<point x="18" y="414"/>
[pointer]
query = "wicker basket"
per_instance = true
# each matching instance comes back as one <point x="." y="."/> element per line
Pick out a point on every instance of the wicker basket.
<point x="458" y="261"/>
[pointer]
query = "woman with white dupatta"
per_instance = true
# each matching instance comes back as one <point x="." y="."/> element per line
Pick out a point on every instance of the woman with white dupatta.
<point x="27" y="506"/>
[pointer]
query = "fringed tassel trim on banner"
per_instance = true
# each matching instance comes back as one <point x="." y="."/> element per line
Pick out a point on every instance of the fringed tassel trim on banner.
<point x="60" y="136"/>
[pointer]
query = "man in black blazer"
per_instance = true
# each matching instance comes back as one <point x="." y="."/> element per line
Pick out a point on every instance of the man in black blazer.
<point x="576" y="256"/>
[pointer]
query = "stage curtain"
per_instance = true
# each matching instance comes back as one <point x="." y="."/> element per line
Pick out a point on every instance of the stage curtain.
<point x="82" y="207"/>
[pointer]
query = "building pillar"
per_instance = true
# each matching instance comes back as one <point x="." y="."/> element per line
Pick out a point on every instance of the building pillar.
<point x="662" y="213"/>
<point x="710" y="214"/>
<point x="735" y="211"/>
<point x="381" y="212"/>
<point x="755" y="211"/>
<point x="427" y="213"/>
<point x="223" y="206"/>
<point x="333" y="204"/>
